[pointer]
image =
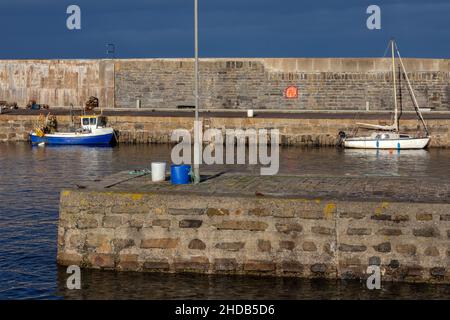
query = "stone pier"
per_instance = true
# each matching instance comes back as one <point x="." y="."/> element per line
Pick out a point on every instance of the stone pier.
<point x="296" y="226"/>
<point x="296" y="129"/>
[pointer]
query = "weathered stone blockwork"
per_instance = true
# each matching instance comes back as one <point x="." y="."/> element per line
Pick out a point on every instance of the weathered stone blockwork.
<point x="324" y="84"/>
<point x="253" y="83"/>
<point x="57" y="82"/>
<point x="170" y="232"/>
<point x="300" y="132"/>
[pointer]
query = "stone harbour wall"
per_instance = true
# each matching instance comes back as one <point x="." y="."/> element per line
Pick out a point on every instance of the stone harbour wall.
<point x="295" y="132"/>
<point x="56" y="82"/>
<point x="226" y="83"/>
<point x="323" y="84"/>
<point x="170" y="232"/>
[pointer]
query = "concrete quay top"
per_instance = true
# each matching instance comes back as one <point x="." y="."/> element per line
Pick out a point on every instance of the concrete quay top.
<point x="229" y="184"/>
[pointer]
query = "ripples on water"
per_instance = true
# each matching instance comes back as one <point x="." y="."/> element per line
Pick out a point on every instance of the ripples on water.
<point x="30" y="180"/>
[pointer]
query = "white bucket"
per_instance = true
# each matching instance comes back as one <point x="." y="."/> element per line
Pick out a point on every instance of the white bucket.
<point x="250" y="113"/>
<point x="158" y="171"/>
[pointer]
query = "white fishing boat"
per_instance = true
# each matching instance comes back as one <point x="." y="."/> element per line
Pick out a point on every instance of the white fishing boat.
<point x="389" y="137"/>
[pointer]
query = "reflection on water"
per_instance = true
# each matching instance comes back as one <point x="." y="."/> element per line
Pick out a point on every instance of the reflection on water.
<point x="132" y="285"/>
<point x="389" y="162"/>
<point x="31" y="177"/>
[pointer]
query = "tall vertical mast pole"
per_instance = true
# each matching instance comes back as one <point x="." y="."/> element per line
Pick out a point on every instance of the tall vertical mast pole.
<point x="197" y="141"/>
<point x="395" y="87"/>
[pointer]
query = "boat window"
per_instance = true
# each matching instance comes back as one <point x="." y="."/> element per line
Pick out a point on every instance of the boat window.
<point x="377" y="136"/>
<point x="85" y="121"/>
<point x="385" y="136"/>
<point x="93" y="121"/>
<point x="102" y="122"/>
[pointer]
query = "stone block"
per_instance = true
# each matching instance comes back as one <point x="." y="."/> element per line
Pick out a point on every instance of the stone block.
<point x="287" y="245"/>
<point x="120" y="244"/>
<point x="292" y="267"/>
<point x="186" y="212"/>
<point x="359" y="231"/>
<point x="438" y="272"/>
<point x="114" y="221"/>
<point x="156" y="265"/>
<point x="414" y="271"/>
<point x="136" y="222"/>
<point x="383" y="247"/>
<point x="427" y="232"/>
<point x="190" y="224"/>
<point x="163" y="243"/>
<point x="163" y="223"/>
<point x="352" y="215"/>
<point x="352" y="261"/>
<point x="259" y="266"/>
<point x="389" y="232"/>
<point x="381" y="217"/>
<point x="242" y="225"/>
<point x="394" y="264"/>
<point x="309" y="246"/>
<point x="228" y="265"/>
<point x="99" y="242"/>
<point x="195" y="264"/>
<point x="406" y="249"/>
<point x="101" y="260"/>
<point x="374" y="261"/>
<point x="352" y="248"/>
<point x="197" y="244"/>
<point x="400" y="218"/>
<point x="314" y="215"/>
<point x="210" y="212"/>
<point x="77" y="241"/>
<point x="322" y="231"/>
<point x="129" y="262"/>
<point x="264" y="245"/>
<point x="431" y="252"/>
<point x="289" y="227"/>
<point x="87" y="223"/>
<point x="318" y="268"/>
<point x="230" y="246"/>
<point x="424" y="217"/>
<point x="68" y="259"/>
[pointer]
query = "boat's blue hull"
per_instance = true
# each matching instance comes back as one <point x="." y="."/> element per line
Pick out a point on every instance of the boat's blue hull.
<point x="105" y="139"/>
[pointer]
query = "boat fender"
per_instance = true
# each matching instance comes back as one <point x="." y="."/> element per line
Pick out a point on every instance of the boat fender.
<point x="341" y="137"/>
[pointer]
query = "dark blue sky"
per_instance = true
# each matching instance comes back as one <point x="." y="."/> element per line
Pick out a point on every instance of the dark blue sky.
<point x="228" y="28"/>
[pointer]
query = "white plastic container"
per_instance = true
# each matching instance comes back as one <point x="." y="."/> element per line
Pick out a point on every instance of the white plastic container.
<point x="158" y="171"/>
<point x="250" y="113"/>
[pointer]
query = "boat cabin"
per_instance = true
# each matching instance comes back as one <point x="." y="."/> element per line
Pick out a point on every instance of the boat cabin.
<point x="91" y="123"/>
<point x="388" y="136"/>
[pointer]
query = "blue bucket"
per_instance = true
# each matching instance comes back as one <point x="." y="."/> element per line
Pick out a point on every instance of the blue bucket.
<point x="179" y="174"/>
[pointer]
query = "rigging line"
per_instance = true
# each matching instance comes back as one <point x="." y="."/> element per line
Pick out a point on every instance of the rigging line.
<point x="387" y="48"/>
<point x="411" y="91"/>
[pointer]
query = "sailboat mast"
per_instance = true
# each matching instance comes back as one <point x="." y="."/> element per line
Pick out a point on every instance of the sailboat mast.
<point x="395" y="87"/>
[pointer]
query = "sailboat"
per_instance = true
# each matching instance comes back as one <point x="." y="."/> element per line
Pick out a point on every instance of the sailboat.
<point x="389" y="137"/>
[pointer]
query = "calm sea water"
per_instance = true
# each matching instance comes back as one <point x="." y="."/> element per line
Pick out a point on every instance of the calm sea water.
<point x="30" y="180"/>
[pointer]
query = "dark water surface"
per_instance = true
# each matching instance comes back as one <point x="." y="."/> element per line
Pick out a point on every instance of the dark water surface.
<point x="30" y="181"/>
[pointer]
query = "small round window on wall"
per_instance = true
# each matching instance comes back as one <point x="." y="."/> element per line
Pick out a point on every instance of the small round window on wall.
<point x="291" y="92"/>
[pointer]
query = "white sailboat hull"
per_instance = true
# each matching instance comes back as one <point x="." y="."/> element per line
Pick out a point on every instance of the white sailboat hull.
<point x="399" y="144"/>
